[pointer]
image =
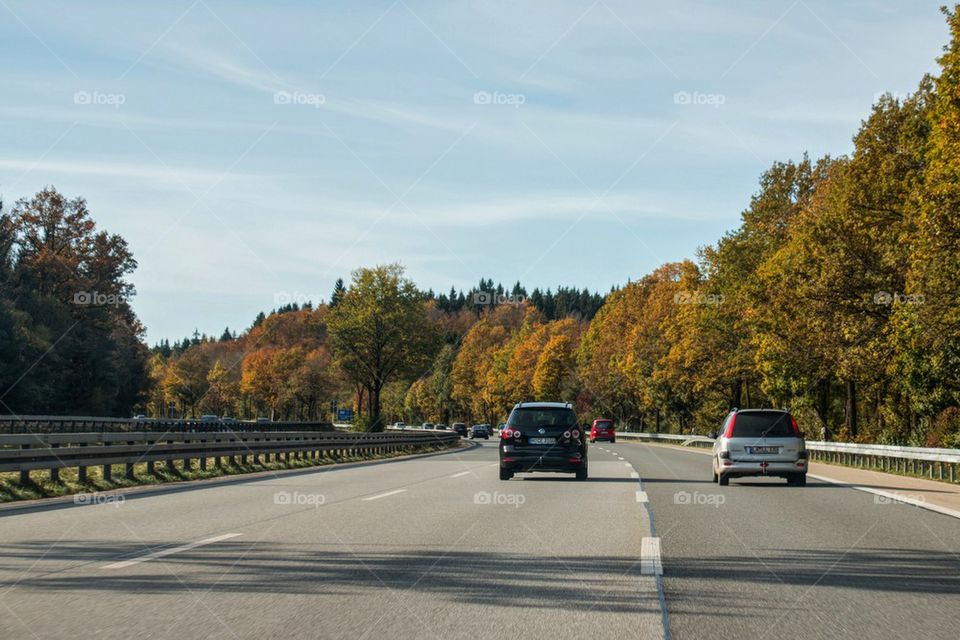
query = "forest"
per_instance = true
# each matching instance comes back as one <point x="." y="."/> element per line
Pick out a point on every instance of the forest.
<point x="836" y="297"/>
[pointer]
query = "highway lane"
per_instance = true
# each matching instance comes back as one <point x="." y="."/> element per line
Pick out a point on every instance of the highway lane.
<point x="430" y="547"/>
<point x="761" y="559"/>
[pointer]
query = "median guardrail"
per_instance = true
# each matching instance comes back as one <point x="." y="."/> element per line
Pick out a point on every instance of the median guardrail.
<point x="85" y="424"/>
<point x="28" y="452"/>
<point x="936" y="464"/>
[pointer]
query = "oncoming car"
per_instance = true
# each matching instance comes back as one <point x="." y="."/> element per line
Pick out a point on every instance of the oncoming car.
<point x="479" y="431"/>
<point x="543" y="436"/>
<point x="760" y="442"/>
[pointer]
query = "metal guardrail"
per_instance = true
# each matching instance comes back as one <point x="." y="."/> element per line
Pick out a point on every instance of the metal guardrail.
<point x="54" y="451"/>
<point x="84" y="424"/>
<point x="936" y="464"/>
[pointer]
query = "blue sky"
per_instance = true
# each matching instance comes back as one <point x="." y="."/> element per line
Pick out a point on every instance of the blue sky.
<point x="254" y="152"/>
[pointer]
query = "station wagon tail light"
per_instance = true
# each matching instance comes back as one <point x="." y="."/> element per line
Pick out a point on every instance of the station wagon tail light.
<point x="575" y="433"/>
<point x="729" y="432"/>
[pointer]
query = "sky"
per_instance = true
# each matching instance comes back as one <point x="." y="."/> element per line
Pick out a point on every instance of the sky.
<point x="253" y="152"/>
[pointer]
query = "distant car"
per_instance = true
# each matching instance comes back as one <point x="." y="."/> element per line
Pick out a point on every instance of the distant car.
<point x="602" y="429"/>
<point x="759" y="442"/>
<point x="460" y="428"/>
<point x="427" y="425"/>
<point x="139" y="416"/>
<point x="479" y="431"/>
<point x="441" y="427"/>
<point x="543" y="436"/>
<point x="208" y="418"/>
<point x="229" y="421"/>
<point x="399" y="425"/>
<point x="263" y="420"/>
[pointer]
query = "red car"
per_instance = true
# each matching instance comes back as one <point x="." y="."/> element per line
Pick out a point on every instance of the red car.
<point x="602" y="429"/>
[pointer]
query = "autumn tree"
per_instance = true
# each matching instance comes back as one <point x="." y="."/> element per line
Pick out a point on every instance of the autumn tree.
<point x="379" y="332"/>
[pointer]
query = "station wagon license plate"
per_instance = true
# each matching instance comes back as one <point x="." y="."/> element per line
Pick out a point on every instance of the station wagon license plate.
<point x="762" y="450"/>
<point x="542" y="440"/>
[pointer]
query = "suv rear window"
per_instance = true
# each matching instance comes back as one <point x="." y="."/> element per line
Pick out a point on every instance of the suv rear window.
<point x="542" y="417"/>
<point x="773" y="424"/>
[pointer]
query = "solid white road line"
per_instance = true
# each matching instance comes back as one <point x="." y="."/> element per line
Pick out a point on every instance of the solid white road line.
<point x="166" y="552"/>
<point x="384" y="495"/>
<point x="462" y="473"/>
<point x="642" y="496"/>
<point x="910" y="499"/>
<point x="650" y="562"/>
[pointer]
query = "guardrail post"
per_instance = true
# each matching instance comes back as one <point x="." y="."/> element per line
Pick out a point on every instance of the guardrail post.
<point x="108" y="472"/>
<point x="55" y="471"/>
<point x="82" y="471"/>
<point x="24" y="473"/>
<point x="186" y="461"/>
<point x="129" y="471"/>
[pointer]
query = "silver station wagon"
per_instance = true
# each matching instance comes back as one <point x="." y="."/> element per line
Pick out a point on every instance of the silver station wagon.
<point x="759" y="442"/>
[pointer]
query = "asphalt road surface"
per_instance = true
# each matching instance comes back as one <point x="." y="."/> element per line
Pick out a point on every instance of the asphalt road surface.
<point x="438" y="547"/>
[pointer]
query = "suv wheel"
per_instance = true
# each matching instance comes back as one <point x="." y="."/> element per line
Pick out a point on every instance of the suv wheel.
<point x="582" y="473"/>
<point x="714" y="476"/>
<point x="723" y="480"/>
<point x="505" y="474"/>
<point x="798" y="480"/>
<point x="613" y="440"/>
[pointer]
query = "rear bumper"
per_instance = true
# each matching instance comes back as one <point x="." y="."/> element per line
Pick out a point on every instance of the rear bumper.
<point x="553" y="461"/>
<point x="741" y="469"/>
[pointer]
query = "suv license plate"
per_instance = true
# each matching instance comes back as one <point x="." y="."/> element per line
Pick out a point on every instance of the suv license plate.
<point x="764" y="449"/>
<point x="542" y="440"/>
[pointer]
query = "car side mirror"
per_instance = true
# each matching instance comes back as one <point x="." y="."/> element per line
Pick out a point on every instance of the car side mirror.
<point x="712" y="435"/>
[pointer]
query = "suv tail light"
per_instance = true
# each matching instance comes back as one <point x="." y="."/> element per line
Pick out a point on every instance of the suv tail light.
<point x="510" y="432"/>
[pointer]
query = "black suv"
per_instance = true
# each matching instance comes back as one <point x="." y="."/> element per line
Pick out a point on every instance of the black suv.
<point x="543" y="436"/>
<point x="460" y="428"/>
